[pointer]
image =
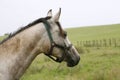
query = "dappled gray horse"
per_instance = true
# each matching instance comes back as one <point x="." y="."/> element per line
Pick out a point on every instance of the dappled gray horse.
<point x="44" y="35"/>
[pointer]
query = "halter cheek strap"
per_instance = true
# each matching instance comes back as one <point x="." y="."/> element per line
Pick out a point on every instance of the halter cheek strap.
<point x="47" y="26"/>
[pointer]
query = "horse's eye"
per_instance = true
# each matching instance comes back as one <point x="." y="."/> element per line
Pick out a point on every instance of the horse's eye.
<point x="65" y="34"/>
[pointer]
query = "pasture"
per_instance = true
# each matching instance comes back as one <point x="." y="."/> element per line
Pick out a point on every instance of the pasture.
<point x="97" y="63"/>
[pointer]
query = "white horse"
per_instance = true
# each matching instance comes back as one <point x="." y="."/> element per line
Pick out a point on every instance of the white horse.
<point x="44" y="35"/>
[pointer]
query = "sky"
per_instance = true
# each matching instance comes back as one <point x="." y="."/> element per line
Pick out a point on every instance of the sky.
<point x="75" y="13"/>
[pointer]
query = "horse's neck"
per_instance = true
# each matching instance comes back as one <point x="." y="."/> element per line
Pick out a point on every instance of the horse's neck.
<point x="17" y="53"/>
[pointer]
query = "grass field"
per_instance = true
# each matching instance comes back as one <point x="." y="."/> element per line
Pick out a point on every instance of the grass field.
<point x="96" y="63"/>
<point x="95" y="32"/>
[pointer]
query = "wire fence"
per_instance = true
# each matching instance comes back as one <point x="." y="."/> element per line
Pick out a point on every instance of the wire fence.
<point x="111" y="42"/>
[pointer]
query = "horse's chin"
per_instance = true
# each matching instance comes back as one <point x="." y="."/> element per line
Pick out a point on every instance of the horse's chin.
<point x="72" y="63"/>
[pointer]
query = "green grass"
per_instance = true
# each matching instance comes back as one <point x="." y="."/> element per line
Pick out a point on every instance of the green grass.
<point x="95" y="32"/>
<point x="96" y="63"/>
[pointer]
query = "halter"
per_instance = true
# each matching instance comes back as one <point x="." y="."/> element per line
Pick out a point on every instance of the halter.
<point x="53" y="44"/>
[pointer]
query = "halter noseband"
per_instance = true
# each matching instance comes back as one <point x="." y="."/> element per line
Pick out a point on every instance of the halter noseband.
<point x="53" y="44"/>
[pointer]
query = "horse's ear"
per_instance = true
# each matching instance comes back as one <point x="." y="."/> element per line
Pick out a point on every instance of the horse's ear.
<point x="49" y="13"/>
<point x="57" y="16"/>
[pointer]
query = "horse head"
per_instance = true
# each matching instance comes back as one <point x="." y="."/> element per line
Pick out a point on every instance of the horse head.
<point x="59" y="48"/>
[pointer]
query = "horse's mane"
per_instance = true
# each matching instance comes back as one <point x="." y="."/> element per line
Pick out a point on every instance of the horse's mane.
<point x="23" y="28"/>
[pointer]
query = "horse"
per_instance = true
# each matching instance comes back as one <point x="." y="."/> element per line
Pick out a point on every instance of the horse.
<point x="42" y="36"/>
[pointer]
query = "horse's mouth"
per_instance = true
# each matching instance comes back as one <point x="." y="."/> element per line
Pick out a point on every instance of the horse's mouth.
<point x="72" y="63"/>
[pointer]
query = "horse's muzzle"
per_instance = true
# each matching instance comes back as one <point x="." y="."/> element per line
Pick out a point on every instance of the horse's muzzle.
<point x="72" y="63"/>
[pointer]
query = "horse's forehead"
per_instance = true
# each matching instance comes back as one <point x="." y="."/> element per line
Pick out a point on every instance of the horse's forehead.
<point x="62" y="32"/>
<point x="56" y="26"/>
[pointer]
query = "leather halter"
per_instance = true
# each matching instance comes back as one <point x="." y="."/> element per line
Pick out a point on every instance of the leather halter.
<point x="53" y="44"/>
